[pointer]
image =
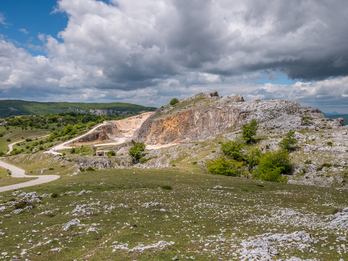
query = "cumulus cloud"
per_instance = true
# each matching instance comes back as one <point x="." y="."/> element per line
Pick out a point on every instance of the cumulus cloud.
<point x="158" y="48"/>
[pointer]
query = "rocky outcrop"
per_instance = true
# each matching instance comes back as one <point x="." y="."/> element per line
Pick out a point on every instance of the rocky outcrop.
<point x="206" y="115"/>
<point x="106" y="132"/>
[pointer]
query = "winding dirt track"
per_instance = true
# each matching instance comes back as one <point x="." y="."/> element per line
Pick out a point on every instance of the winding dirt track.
<point x="20" y="173"/>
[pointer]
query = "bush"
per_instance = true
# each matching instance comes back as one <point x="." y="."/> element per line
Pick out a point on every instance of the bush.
<point x="73" y="151"/>
<point x="90" y="169"/>
<point x="174" y="101"/>
<point x="111" y="153"/>
<point x="54" y="195"/>
<point x="8" y="140"/>
<point x="41" y="148"/>
<point x="167" y="187"/>
<point x="136" y="152"/>
<point x="254" y="158"/>
<point x="272" y="165"/>
<point x="329" y="144"/>
<point x="233" y="149"/>
<point x="22" y="204"/>
<point x="249" y="131"/>
<point x="225" y="166"/>
<point x="289" y="142"/>
<point x="2" y="153"/>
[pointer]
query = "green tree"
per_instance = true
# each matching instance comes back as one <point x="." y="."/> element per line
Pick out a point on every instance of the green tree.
<point x="249" y="131"/>
<point x="136" y="152"/>
<point x="254" y="158"/>
<point x="289" y="142"/>
<point x="225" y="166"/>
<point x="233" y="150"/>
<point x="174" y="101"/>
<point x="272" y="165"/>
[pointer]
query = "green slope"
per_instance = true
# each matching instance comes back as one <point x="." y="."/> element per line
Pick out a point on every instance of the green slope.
<point x="19" y="107"/>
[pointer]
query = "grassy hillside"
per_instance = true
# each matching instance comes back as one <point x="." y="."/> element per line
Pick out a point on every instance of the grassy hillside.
<point x="132" y="214"/>
<point x="18" y="107"/>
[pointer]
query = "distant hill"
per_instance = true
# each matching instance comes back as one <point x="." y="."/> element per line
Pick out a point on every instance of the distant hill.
<point x="19" y="107"/>
<point x="336" y="115"/>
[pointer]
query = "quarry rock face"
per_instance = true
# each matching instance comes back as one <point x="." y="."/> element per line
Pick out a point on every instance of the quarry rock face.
<point x="206" y="115"/>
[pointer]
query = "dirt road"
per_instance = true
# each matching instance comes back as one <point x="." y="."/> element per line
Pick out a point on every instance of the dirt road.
<point x="20" y="173"/>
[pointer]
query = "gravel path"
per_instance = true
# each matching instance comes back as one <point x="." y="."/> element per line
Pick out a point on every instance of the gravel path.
<point x="62" y="146"/>
<point x="11" y="146"/>
<point x="20" y="173"/>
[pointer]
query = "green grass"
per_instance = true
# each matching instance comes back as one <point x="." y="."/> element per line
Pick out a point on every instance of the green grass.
<point x="195" y="215"/>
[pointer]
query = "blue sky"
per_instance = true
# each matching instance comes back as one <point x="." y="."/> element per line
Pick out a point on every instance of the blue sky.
<point x="147" y="51"/>
<point x="35" y="17"/>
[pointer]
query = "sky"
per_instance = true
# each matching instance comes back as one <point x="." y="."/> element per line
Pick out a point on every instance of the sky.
<point x="149" y="51"/>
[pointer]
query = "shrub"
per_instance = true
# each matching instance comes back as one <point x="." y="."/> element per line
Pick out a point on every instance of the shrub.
<point x="41" y="148"/>
<point x="90" y="169"/>
<point x="254" y="158"/>
<point x="225" y="166"/>
<point x="329" y="144"/>
<point x="22" y="204"/>
<point x="2" y="153"/>
<point x="233" y="149"/>
<point x="54" y="195"/>
<point x="174" y="101"/>
<point x="167" y="187"/>
<point x="28" y="140"/>
<point x="73" y="151"/>
<point x="136" y="152"/>
<point x="289" y="142"/>
<point x="51" y="169"/>
<point x="111" y="153"/>
<point x="249" y="131"/>
<point x="272" y="165"/>
<point x="8" y="140"/>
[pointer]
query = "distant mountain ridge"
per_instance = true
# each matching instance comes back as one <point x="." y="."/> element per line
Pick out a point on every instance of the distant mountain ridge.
<point x="20" y="107"/>
<point x="335" y="115"/>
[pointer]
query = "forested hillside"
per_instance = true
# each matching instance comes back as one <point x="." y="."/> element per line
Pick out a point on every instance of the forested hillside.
<point x="19" y="107"/>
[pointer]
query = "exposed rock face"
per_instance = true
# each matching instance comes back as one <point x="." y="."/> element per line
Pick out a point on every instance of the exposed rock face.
<point x="129" y="125"/>
<point x="117" y="129"/>
<point x="107" y="132"/>
<point x="204" y="115"/>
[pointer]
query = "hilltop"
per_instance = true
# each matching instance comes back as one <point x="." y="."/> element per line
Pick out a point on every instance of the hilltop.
<point x="19" y="107"/>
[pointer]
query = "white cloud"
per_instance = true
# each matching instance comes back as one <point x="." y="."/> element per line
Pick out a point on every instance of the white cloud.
<point x="2" y="19"/>
<point x="147" y="51"/>
<point x="23" y="31"/>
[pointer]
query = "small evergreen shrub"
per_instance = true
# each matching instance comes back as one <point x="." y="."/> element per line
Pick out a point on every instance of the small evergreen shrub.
<point x="167" y="187"/>
<point x="289" y="142"/>
<point x="174" y="101"/>
<point x="90" y="169"/>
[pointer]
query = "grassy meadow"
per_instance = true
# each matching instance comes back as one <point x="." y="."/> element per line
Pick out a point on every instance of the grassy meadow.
<point x="136" y="214"/>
